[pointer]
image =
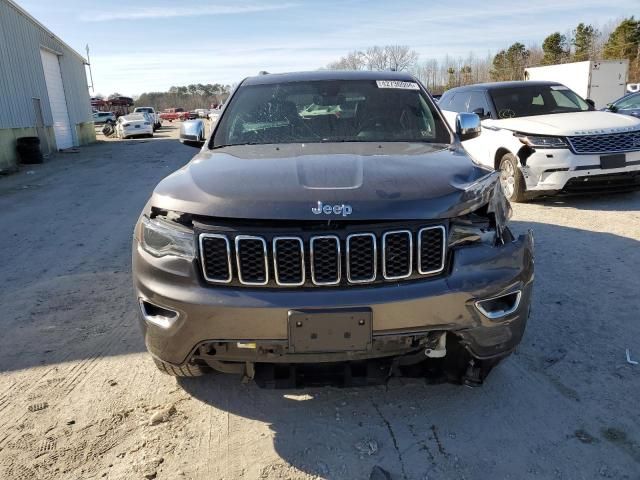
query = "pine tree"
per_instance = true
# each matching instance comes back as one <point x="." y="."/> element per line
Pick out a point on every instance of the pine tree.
<point x="624" y="42"/>
<point x="584" y="40"/>
<point x="555" y="49"/>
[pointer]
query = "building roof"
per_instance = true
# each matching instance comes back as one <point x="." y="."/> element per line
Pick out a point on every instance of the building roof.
<point x="29" y="17"/>
<point x="318" y="75"/>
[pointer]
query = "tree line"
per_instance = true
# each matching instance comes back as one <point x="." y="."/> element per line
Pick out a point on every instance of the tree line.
<point x="188" y="97"/>
<point x="617" y="41"/>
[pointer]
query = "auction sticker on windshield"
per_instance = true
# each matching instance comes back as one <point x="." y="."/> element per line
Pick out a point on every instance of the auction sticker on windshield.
<point x="397" y="84"/>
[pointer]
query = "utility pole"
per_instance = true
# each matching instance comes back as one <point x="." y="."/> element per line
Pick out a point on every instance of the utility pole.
<point x="89" y="65"/>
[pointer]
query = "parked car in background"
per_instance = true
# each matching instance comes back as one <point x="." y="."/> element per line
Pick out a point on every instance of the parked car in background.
<point x="368" y="244"/>
<point x="190" y="115"/>
<point x="100" y="118"/>
<point x="202" y="112"/>
<point x="545" y="139"/>
<point x="134" y="125"/>
<point x="149" y="118"/>
<point x="157" y="121"/>
<point x="214" y="114"/>
<point x="627" y="105"/>
<point x="633" y="87"/>
<point x="193" y="131"/>
<point x="171" y="114"/>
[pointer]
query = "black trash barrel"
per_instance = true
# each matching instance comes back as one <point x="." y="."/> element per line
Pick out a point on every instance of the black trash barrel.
<point x="29" y="150"/>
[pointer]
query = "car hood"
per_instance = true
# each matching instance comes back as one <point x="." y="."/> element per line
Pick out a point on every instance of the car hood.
<point x="285" y="182"/>
<point x="569" y="124"/>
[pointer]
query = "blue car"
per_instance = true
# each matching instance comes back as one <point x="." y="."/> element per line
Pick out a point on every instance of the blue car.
<point x="627" y="105"/>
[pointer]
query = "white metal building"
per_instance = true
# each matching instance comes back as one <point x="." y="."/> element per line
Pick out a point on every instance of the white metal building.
<point x="43" y="87"/>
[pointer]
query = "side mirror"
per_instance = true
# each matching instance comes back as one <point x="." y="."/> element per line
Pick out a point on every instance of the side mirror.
<point x="192" y="133"/>
<point x="467" y="126"/>
<point x="611" y="107"/>
<point x="591" y="103"/>
<point x="481" y="113"/>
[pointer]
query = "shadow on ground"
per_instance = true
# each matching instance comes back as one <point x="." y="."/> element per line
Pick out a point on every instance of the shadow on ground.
<point x="620" y="202"/>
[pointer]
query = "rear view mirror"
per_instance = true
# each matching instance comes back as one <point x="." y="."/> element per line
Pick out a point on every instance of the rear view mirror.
<point x="192" y="133"/>
<point x="467" y="126"/>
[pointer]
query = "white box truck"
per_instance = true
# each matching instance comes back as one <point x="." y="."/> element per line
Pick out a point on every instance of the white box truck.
<point x="601" y="81"/>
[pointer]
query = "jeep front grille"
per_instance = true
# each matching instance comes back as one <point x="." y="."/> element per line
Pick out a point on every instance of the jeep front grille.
<point x="309" y="260"/>
<point x="606" y="143"/>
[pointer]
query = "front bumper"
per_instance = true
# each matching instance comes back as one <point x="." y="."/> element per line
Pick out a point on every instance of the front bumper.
<point x="556" y="170"/>
<point x="208" y="314"/>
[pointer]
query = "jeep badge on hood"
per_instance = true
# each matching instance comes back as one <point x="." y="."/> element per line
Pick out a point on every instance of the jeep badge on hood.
<point x="343" y="209"/>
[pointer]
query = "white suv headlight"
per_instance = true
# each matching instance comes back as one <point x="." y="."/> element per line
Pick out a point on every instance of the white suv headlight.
<point x="540" y="141"/>
<point x="161" y="238"/>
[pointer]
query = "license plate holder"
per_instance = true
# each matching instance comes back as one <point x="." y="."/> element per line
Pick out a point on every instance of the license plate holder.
<point x="618" y="160"/>
<point x="328" y="331"/>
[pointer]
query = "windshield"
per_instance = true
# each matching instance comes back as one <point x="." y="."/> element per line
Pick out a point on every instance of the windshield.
<point x="629" y="102"/>
<point x="330" y="111"/>
<point x="533" y="100"/>
<point x="144" y="110"/>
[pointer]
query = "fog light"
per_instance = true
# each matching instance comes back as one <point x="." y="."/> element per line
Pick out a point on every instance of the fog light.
<point x="157" y="315"/>
<point x="500" y="306"/>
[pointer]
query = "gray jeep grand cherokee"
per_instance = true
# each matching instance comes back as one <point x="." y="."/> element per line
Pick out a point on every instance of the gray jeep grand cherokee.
<point x="331" y="227"/>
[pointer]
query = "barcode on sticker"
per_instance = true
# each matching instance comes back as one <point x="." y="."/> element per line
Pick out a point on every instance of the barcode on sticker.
<point x="397" y="84"/>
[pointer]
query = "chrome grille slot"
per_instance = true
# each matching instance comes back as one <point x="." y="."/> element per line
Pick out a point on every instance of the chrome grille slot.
<point x="397" y="254"/>
<point x="606" y="143"/>
<point x="288" y="261"/>
<point x="216" y="257"/>
<point x="431" y="250"/>
<point x="362" y="261"/>
<point x="325" y="260"/>
<point x="307" y="259"/>
<point x="251" y="259"/>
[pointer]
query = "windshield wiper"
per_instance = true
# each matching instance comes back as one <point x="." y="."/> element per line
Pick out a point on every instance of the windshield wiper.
<point x="235" y="145"/>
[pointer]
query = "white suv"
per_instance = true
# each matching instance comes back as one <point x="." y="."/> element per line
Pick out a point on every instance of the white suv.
<point x="546" y="139"/>
<point x="157" y="121"/>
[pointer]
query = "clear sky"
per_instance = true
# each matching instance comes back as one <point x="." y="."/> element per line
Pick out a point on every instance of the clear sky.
<point x="148" y="45"/>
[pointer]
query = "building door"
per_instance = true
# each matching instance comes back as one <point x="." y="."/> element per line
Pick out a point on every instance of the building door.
<point x="57" y="100"/>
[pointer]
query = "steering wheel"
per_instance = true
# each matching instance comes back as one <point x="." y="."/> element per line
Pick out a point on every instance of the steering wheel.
<point x="371" y="120"/>
<point x="506" y="113"/>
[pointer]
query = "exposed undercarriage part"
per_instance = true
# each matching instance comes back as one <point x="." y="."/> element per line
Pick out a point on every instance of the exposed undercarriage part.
<point x="439" y="357"/>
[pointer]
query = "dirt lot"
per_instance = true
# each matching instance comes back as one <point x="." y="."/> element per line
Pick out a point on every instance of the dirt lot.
<point x="80" y="398"/>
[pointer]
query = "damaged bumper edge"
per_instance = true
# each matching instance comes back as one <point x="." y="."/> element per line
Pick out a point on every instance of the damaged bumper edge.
<point x="559" y="170"/>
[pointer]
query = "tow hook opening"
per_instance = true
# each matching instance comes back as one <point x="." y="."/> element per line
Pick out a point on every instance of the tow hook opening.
<point x="155" y="314"/>
<point x="501" y="306"/>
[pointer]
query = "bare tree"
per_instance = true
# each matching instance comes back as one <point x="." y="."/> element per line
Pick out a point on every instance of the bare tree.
<point x="401" y="57"/>
<point x="377" y="58"/>
<point x="354" y="60"/>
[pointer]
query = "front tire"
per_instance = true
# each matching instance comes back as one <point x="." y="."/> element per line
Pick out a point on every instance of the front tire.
<point x="511" y="179"/>
<point x="186" y="370"/>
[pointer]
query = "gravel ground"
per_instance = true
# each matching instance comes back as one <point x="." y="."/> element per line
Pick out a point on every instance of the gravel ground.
<point x="80" y="398"/>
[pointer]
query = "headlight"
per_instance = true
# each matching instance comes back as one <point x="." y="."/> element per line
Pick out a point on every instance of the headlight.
<point x="160" y="238"/>
<point x="537" y="141"/>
